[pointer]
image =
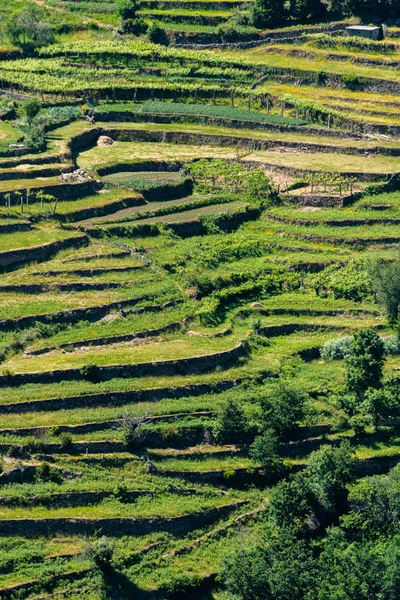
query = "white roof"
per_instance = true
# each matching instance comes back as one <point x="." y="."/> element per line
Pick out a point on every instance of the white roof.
<point x="363" y="27"/>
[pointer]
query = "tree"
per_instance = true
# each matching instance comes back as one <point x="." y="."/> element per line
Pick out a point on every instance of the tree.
<point x="29" y="28"/>
<point x="303" y="10"/>
<point x="291" y="503"/>
<point x="100" y="552"/>
<point x="386" y="287"/>
<point x="268" y="13"/>
<point x="264" y="452"/>
<point x="29" y="109"/>
<point x="329" y="470"/>
<point x="259" y="187"/>
<point x="232" y="426"/>
<point x="278" y="568"/>
<point x="365" y="363"/>
<point x="283" y="408"/>
<point x="130" y="23"/>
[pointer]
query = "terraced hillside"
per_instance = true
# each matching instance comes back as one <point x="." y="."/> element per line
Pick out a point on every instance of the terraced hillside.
<point x="197" y="237"/>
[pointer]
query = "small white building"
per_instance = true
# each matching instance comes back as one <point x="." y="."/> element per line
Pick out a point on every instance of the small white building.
<point x="368" y="31"/>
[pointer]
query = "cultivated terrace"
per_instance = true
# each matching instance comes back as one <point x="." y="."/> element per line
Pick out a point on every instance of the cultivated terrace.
<point x="199" y="300"/>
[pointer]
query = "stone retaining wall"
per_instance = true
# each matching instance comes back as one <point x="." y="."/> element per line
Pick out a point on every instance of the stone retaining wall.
<point x="113" y="339"/>
<point x="12" y="258"/>
<point x="62" y="191"/>
<point x="115" y="527"/>
<point x="90" y="313"/>
<point x="196" y="138"/>
<point x="184" y="366"/>
<point x="119" y="398"/>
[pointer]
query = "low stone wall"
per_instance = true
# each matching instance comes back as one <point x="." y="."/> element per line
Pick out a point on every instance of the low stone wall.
<point x="184" y="366"/>
<point x="115" y="527"/>
<point x="113" y="339"/>
<point x="62" y="191"/>
<point x="100" y="211"/>
<point x="35" y="173"/>
<point x="268" y="37"/>
<point x="90" y="313"/>
<point x="25" y="590"/>
<point x="68" y="499"/>
<point x="196" y="138"/>
<point x="322" y="200"/>
<point x="134" y="167"/>
<point x="289" y="328"/>
<point x="137" y="117"/>
<point x="12" y="258"/>
<point x="118" y="398"/>
<point x="336" y="222"/>
<point x="14" y="226"/>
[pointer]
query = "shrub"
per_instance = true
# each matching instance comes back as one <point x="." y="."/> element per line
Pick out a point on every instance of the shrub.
<point x="157" y="35"/>
<point x="90" y="372"/>
<point x="181" y="585"/>
<point x="100" y="552"/>
<point x="232" y="426"/>
<point x="66" y="440"/>
<point x="337" y="349"/>
<point x="264" y="452"/>
<point x="47" y="473"/>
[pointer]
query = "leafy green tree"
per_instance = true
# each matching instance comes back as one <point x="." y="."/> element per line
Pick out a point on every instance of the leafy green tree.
<point x="291" y="503"/>
<point x="268" y="13"/>
<point x="259" y="187"/>
<point x="330" y="470"/>
<point x="232" y="425"/>
<point x="130" y="22"/>
<point x="283" y="408"/>
<point x="303" y="10"/>
<point x="29" y="109"/>
<point x="100" y="552"/>
<point x="29" y="27"/>
<point x="278" y="568"/>
<point x="386" y="287"/>
<point x="365" y="363"/>
<point x="375" y="504"/>
<point x="264" y="452"/>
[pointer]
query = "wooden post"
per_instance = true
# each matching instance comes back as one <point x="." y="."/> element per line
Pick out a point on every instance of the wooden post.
<point x="282" y="106"/>
<point x="232" y="99"/>
<point x="267" y="106"/>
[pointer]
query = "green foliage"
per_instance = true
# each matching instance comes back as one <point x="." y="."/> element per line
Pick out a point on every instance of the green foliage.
<point x="267" y="13"/>
<point x="46" y="473"/>
<point x="90" y="372"/>
<point x="232" y="426"/>
<point x="386" y="287"/>
<point x="223" y="112"/>
<point x="100" y="552"/>
<point x="219" y="174"/>
<point x="264" y="452"/>
<point x="330" y="470"/>
<point x="66" y="440"/>
<point x="365" y="363"/>
<point x="351" y="281"/>
<point x="304" y="10"/>
<point x="29" y="109"/>
<point x="283" y="408"/>
<point x="29" y="27"/>
<point x="279" y="567"/>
